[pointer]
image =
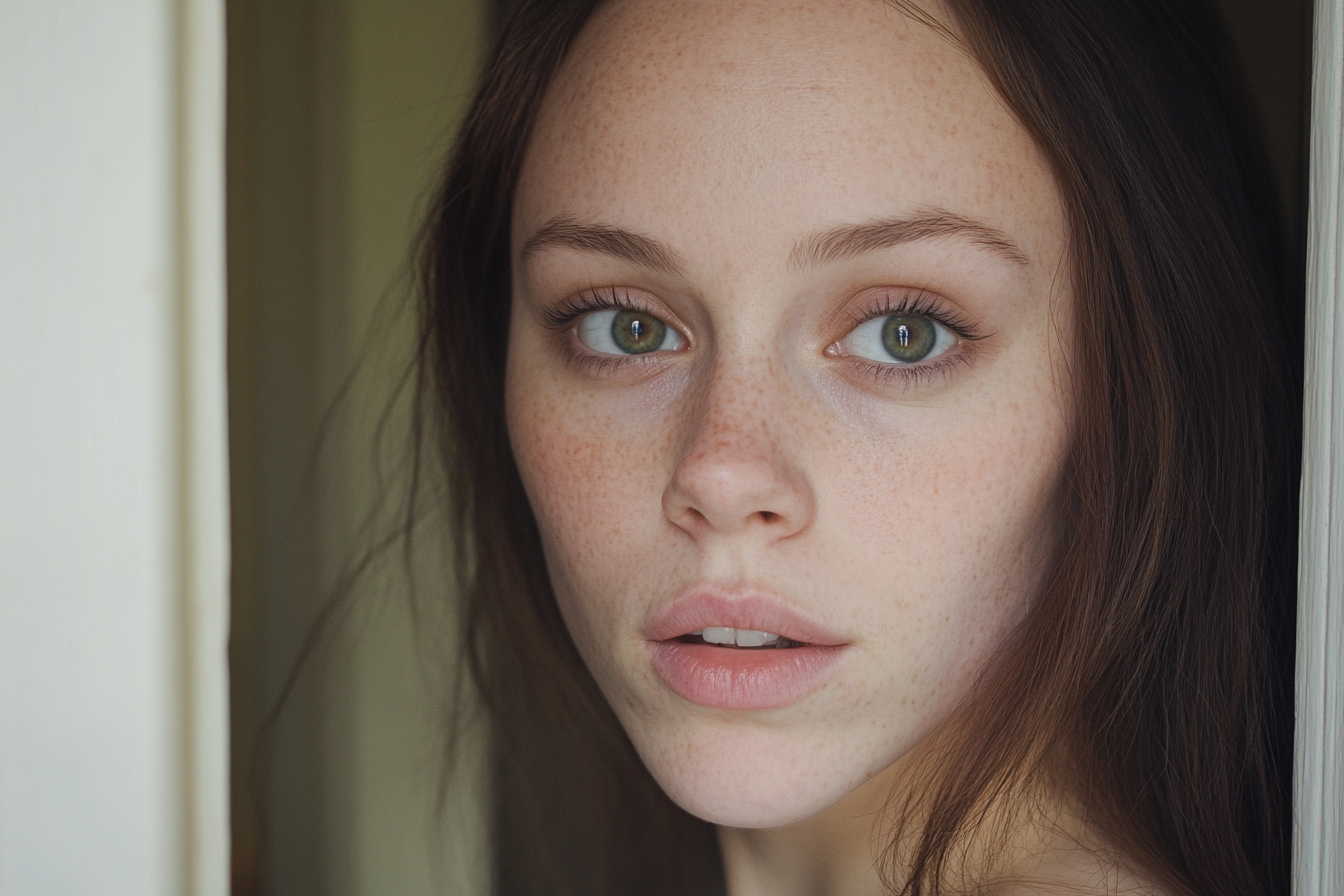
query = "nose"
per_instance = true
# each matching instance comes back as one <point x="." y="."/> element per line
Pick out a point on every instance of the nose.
<point x="736" y="472"/>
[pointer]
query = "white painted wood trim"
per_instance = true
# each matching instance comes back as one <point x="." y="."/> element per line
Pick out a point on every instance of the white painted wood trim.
<point x="1318" y="835"/>
<point x="113" y="514"/>
<point x="203" y="428"/>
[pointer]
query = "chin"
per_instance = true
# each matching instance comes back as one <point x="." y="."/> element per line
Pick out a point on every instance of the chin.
<point x="743" y="776"/>
<point x="761" y="806"/>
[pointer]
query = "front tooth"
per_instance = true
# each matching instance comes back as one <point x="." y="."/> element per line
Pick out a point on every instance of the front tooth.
<point x="718" y="635"/>
<point x="750" y="638"/>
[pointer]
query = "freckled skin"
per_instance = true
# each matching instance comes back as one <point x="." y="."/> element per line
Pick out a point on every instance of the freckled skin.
<point x="914" y="517"/>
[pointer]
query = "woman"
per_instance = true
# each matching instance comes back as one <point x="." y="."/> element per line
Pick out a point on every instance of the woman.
<point x="870" y="430"/>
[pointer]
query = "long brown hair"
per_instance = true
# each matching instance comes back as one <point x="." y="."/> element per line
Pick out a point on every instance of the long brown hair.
<point x="1152" y="681"/>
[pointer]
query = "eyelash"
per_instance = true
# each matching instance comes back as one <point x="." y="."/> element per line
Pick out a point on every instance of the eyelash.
<point x="563" y="316"/>
<point x="924" y="304"/>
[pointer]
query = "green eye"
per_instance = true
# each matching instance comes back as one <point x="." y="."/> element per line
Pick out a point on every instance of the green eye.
<point x="626" y="332"/>
<point x="908" y="338"/>
<point x="899" y="338"/>
<point x="636" y="333"/>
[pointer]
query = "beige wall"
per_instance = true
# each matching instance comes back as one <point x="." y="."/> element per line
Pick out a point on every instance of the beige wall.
<point x="339" y="115"/>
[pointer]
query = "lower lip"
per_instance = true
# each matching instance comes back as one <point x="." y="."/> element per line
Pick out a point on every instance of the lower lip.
<point x="729" y="678"/>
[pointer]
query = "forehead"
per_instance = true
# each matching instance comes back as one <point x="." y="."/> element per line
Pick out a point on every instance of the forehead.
<point x="718" y="122"/>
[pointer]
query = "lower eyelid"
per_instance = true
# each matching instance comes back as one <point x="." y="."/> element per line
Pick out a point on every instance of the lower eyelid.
<point x="616" y="368"/>
<point x="912" y="374"/>
<point x="586" y="360"/>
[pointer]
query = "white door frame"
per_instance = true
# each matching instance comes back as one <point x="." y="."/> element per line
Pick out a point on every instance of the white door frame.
<point x="1318" y="784"/>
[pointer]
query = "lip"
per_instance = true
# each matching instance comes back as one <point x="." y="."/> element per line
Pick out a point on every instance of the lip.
<point x="728" y="678"/>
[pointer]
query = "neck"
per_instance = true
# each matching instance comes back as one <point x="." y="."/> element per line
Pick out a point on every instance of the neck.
<point x="836" y="853"/>
<point x="833" y="853"/>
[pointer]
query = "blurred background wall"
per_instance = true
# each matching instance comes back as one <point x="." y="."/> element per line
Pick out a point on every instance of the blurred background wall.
<point x="339" y="112"/>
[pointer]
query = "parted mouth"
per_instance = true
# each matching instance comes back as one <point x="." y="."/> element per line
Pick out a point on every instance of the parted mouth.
<point x="740" y="638"/>
<point x="753" y="620"/>
<point x="740" y="652"/>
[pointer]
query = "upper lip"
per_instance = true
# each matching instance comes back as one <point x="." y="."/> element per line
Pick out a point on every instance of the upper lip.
<point x="700" y="607"/>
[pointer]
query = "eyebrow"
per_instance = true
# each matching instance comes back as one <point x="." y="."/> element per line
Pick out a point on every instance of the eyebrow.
<point x="850" y="240"/>
<point x="615" y="241"/>
<point x="837" y="244"/>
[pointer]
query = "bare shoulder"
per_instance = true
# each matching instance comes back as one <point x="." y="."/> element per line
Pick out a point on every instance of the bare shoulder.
<point x="1074" y="869"/>
<point x="1062" y="855"/>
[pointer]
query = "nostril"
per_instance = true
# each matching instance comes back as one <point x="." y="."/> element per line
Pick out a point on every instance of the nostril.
<point x="720" y="492"/>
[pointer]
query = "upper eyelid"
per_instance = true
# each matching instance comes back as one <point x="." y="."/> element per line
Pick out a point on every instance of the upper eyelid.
<point x="894" y="300"/>
<point x="917" y="301"/>
<point x="561" y="315"/>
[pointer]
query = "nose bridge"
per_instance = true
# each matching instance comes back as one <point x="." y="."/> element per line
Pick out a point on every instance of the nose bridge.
<point x="737" y="467"/>
<point x="733" y="411"/>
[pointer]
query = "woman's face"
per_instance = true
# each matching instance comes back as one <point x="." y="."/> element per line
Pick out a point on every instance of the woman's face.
<point x="788" y="367"/>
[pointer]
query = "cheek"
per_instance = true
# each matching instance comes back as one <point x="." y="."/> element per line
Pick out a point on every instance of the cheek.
<point x="565" y="468"/>
<point x="595" y="486"/>
<point x="954" y="524"/>
<point x="993" y="482"/>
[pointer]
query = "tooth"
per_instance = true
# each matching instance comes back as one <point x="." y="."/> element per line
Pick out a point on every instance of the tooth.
<point x="716" y="635"/>
<point x="750" y="638"/>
